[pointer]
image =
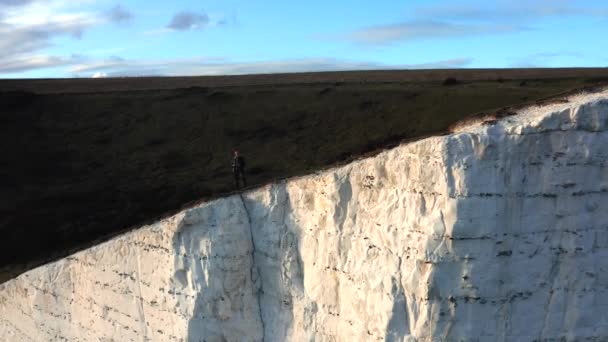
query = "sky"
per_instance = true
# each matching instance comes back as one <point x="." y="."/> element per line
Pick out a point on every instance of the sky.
<point x="110" y="38"/>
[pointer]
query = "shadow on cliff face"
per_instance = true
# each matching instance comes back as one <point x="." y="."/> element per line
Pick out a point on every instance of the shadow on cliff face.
<point x="239" y="257"/>
<point x="275" y="236"/>
<point x="523" y="228"/>
<point x="398" y="325"/>
<point x="213" y="273"/>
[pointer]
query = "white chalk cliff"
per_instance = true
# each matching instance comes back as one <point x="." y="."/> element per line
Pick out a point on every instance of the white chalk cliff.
<point x="498" y="232"/>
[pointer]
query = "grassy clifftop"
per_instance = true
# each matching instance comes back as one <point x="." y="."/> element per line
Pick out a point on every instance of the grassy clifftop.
<point x="82" y="164"/>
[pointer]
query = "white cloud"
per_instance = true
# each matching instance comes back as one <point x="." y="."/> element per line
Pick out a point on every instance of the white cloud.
<point x="28" y="27"/>
<point x="413" y="30"/>
<point x="454" y="63"/>
<point x="511" y="11"/>
<point x="185" y="20"/>
<point x="219" y="66"/>
<point x="119" y="14"/>
<point x="19" y="63"/>
<point x="99" y="75"/>
<point x="544" y="59"/>
<point x="189" y="21"/>
<point x="461" y="18"/>
<point x="11" y="3"/>
<point x="38" y="12"/>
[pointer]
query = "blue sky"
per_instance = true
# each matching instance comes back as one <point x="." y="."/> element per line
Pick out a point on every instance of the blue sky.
<point x="87" y="38"/>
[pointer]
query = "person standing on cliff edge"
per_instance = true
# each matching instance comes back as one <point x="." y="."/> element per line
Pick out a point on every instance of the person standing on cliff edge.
<point x="238" y="169"/>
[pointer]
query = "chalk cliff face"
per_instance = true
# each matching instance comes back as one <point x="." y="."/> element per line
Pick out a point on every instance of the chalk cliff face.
<point x="498" y="232"/>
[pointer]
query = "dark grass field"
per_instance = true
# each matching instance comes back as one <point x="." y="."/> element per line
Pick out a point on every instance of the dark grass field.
<point x="84" y="160"/>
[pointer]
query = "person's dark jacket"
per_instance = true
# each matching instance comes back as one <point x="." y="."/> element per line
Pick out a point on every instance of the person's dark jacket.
<point x="238" y="164"/>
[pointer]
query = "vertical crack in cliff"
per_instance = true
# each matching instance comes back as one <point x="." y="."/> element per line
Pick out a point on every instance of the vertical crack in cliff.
<point x="254" y="268"/>
<point x="140" y="308"/>
<point x="551" y="281"/>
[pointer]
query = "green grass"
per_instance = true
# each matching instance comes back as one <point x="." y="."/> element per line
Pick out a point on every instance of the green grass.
<point x="78" y="168"/>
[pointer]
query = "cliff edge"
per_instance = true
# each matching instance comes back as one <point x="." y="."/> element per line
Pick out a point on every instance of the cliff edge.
<point x="496" y="232"/>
